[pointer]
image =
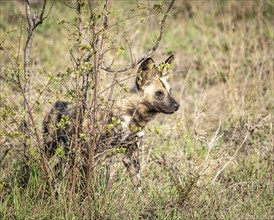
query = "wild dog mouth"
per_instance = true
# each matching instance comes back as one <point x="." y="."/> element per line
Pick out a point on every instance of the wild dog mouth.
<point x="167" y="109"/>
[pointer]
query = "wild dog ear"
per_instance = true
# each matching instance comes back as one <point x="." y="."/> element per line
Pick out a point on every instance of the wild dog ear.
<point x="165" y="67"/>
<point x="145" y="72"/>
<point x="170" y="59"/>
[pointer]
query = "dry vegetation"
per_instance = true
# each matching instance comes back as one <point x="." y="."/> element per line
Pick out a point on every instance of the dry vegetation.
<point x="213" y="159"/>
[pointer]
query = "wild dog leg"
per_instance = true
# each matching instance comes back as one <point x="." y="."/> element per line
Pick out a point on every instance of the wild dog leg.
<point x="131" y="161"/>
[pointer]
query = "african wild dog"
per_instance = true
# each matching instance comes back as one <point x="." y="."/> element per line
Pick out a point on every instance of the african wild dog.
<point x="150" y="96"/>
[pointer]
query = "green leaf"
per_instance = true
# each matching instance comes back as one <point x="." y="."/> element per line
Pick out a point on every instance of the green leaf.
<point x="60" y="152"/>
<point x="120" y="50"/>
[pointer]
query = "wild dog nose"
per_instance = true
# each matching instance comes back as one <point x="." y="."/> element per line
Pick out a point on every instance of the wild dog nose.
<point x="176" y="106"/>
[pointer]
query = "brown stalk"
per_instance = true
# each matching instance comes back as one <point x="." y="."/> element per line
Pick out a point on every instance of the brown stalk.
<point x="98" y="43"/>
<point x="33" y="22"/>
<point x="77" y="122"/>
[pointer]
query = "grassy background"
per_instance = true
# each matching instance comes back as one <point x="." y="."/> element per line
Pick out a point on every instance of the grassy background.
<point x="213" y="159"/>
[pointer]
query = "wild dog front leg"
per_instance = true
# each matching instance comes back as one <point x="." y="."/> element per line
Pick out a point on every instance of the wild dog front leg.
<point x="132" y="163"/>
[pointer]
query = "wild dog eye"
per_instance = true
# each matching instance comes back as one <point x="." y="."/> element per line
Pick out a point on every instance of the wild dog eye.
<point x="159" y="93"/>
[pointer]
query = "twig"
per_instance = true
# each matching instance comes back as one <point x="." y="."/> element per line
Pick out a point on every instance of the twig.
<point x="4" y="155"/>
<point x="77" y="108"/>
<point x="213" y="139"/>
<point x="98" y="44"/>
<point x="231" y="159"/>
<point x="231" y="186"/>
<point x="130" y="51"/>
<point x="33" y="23"/>
<point x="150" y="52"/>
<point x="40" y="94"/>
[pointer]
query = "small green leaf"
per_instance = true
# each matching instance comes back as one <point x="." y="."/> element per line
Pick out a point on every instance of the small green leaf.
<point x="120" y="50"/>
<point x="60" y="152"/>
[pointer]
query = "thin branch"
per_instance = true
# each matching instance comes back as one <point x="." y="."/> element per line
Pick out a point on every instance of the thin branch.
<point x="98" y="44"/>
<point x="215" y="137"/>
<point x="33" y="22"/>
<point x="40" y="94"/>
<point x="45" y="168"/>
<point x="231" y="159"/>
<point x="28" y="13"/>
<point x="130" y="51"/>
<point x="4" y="155"/>
<point x="121" y="21"/>
<point x="115" y="83"/>
<point x="150" y="52"/>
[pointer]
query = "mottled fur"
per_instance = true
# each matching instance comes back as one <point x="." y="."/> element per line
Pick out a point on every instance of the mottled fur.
<point x="128" y="117"/>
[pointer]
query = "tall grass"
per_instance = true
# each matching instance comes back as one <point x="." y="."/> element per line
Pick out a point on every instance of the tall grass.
<point x="211" y="160"/>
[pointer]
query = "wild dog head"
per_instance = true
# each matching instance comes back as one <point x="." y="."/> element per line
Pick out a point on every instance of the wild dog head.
<point x="152" y="82"/>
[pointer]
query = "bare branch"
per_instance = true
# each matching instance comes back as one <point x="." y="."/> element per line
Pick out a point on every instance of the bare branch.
<point x="4" y="154"/>
<point x="98" y="44"/>
<point x="33" y="22"/>
<point x="150" y="52"/>
<point x="28" y="13"/>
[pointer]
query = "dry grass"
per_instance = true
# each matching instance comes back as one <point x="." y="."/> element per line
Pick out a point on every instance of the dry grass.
<point x="212" y="159"/>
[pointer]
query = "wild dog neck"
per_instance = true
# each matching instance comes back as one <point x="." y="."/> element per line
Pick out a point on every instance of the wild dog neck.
<point x="135" y="112"/>
<point x="141" y="114"/>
